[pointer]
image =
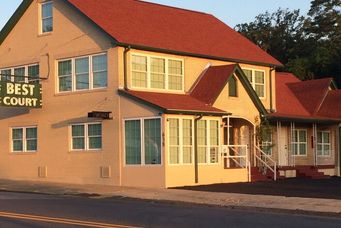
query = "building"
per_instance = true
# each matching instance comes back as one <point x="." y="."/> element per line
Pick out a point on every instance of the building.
<point x="92" y="93"/>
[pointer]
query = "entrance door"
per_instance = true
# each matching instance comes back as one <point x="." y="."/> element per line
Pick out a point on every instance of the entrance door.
<point x="283" y="147"/>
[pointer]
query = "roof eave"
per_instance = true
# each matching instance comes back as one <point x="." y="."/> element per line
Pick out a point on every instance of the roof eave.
<point x="303" y="119"/>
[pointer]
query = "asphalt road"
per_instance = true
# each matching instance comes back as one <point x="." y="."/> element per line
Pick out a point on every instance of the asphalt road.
<point x="33" y="210"/>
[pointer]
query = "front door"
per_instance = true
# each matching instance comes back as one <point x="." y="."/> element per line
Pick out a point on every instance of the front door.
<point x="283" y="147"/>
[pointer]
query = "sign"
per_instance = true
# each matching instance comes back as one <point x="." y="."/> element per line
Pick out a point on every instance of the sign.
<point x="100" y="115"/>
<point x="14" y="94"/>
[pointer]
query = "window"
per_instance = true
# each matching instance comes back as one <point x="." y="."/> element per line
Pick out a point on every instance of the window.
<point x="24" y="139"/>
<point x="299" y="142"/>
<point x="157" y="73"/>
<point x="143" y="141"/>
<point x="83" y="73"/>
<point x="46" y="17"/>
<point x="86" y="136"/>
<point x="208" y="141"/>
<point x="28" y="73"/>
<point x="233" y="87"/>
<point x="257" y="80"/>
<point x="323" y="143"/>
<point x="180" y="141"/>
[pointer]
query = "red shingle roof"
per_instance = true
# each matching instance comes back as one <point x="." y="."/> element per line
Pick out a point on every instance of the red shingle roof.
<point x="212" y="82"/>
<point x="173" y="102"/>
<point x="306" y="99"/>
<point x="152" y="25"/>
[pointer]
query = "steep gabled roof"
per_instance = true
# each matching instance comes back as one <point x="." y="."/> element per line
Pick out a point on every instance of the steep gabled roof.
<point x="307" y="100"/>
<point x="154" y="27"/>
<point x="173" y="103"/>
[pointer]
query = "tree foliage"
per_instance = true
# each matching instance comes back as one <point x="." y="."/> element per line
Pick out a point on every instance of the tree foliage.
<point x="309" y="46"/>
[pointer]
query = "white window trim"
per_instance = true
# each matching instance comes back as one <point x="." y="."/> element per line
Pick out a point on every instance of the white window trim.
<point x="253" y="84"/>
<point x="208" y="143"/>
<point x="296" y="144"/>
<point x="181" y="145"/>
<point x="323" y="144"/>
<point x="73" y="73"/>
<point x="86" y="137"/>
<point x="24" y="140"/>
<point x="41" y="18"/>
<point x="143" y="164"/>
<point x="148" y="88"/>
<point x="25" y="73"/>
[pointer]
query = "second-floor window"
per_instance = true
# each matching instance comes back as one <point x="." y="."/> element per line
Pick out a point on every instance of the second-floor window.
<point x="157" y="73"/>
<point x="257" y="80"/>
<point x="28" y="73"/>
<point x="46" y="17"/>
<point x="83" y="73"/>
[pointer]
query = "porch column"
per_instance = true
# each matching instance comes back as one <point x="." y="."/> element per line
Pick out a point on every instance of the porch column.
<point x="314" y="144"/>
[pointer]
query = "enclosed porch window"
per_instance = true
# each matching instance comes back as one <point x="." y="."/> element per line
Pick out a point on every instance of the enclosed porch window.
<point x="299" y="142"/>
<point x="323" y="143"/>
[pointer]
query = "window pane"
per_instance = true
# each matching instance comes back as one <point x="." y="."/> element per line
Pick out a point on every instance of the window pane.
<point x="201" y="128"/>
<point x="64" y="74"/>
<point x="95" y="129"/>
<point x="100" y="65"/>
<point x="174" y="155"/>
<point x="259" y="90"/>
<point x="319" y="137"/>
<point x="47" y="10"/>
<point x="157" y="81"/>
<point x="175" y="75"/>
<point x="174" y="67"/>
<point x="31" y="133"/>
<point x="152" y="141"/>
<point x="232" y="87"/>
<point x="95" y="143"/>
<point x="157" y="65"/>
<point x="18" y="145"/>
<point x="140" y="79"/>
<point x="214" y="131"/>
<point x="187" y="155"/>
<point x="139" y="74"/>
<point x="77" y="130"/>
<point x="78" y="143"/>
<point x="248" y="74"/>
<point x="19" y="72"/>
<point x="133" y="142"/>
<point x="302" y="136"/>
<point x="82" y="73"/>
<point x="187" y="132"/>
<point x="17" y="133"/>
<point x="6" y="75"/>
<point x="139" y="63"/>
<point x="174" y="132"/>
<point x="33" y="72"/>
<point x="214" y="155"/>
<point x="175" y="82"/>
<point x="259" y="77"/>
<point x="326" y="137"/>
<point x="302" y="149"/>
<point x="202" y="155"/>
<point x="47" y="25"/>
<point x="31" y="145"/>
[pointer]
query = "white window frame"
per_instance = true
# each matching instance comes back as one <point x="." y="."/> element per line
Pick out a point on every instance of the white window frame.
<point x="323" y="154"/>
<point x="26" y="79"/>
<point x="208" y="144"/>
<point x="41" y="18"/>
<point x="253" y="83"/>
<point x="181" y="145"/>
<point x="297" y="144"/>
<point x="143" y="163"/>
<point x="24" y="139"/>
<point x="86" y="136"/>
<point x="73" y="73"/>
<point x="149" y="88"/>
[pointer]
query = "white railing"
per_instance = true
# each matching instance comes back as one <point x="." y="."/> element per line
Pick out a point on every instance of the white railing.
<point x="265" y="162"/>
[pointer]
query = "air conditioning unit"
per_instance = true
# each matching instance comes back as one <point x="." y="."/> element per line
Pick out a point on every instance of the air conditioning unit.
<point x="105" y="172"/>
<point x="42" y="171"/>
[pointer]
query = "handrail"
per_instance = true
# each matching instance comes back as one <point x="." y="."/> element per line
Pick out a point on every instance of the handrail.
<point x="265" y="161"/>
<point x="237" y="156"/>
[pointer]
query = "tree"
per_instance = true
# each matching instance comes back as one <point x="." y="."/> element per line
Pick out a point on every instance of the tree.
<point x="310" y="46"/>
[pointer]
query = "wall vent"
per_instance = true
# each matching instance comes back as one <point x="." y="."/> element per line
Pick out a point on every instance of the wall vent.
<point x="105" y="172"/>
<point x="42" y="171"/>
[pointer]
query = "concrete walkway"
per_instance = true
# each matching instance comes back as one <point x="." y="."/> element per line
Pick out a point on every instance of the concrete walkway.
<point x="187" y="196"/>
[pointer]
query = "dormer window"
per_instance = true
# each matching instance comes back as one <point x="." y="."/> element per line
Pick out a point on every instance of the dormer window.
<point x="257" y="80"/>
<point x="46" y="17"/>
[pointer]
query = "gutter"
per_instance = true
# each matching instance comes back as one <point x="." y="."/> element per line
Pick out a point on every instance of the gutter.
<point x="303" y="120"/>
<point x="271" y="95"/>
<point x="196" y="164"/>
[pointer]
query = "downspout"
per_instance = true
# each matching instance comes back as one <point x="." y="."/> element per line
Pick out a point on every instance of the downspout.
<point x="196" y="171"/>
<point x="271" y="96"/>
<point x="126" y="50"/>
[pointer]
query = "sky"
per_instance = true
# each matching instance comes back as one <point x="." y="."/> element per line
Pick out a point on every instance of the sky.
<point x="232" y="12"/>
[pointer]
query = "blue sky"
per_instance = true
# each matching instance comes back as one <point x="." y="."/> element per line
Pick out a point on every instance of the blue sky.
<point x="231" y="12"/>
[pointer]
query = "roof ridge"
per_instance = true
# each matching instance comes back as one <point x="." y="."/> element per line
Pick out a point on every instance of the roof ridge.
<point x="173" y="7"/>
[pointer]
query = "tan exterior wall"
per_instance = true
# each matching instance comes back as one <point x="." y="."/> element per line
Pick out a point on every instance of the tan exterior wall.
<point x="72" y="36"/>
